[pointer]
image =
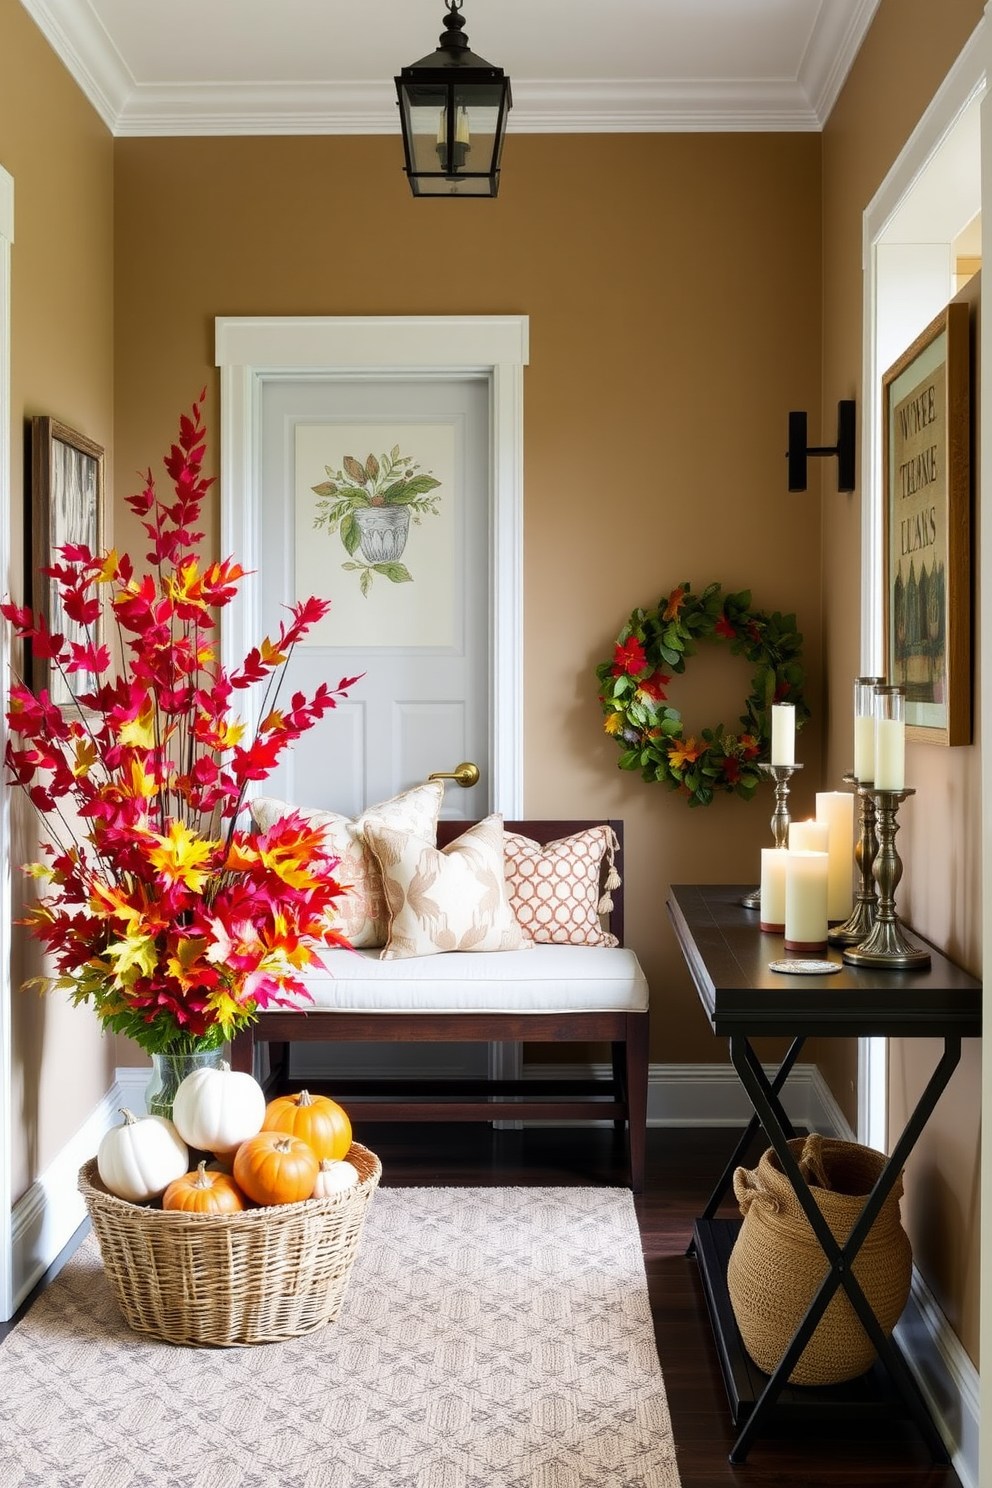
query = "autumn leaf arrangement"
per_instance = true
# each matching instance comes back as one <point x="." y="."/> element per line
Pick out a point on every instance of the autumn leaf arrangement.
<point x="654" y="646"/>
<point x="153" y="905"/>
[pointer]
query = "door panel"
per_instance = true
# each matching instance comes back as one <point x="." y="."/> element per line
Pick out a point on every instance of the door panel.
<point x="413" y="618"/>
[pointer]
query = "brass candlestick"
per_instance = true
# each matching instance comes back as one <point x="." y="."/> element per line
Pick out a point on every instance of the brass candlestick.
<point x="861" y="921"/>
<point x="781" y="774"/>
<point x="887" y="946"/>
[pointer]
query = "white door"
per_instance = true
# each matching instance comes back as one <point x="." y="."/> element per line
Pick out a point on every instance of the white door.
<point x="375" y="495"/>
<point x="444" y="670"/>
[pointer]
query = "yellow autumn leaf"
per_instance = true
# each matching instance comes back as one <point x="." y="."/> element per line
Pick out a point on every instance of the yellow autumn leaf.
<point x="134" y="953"/>
<point x="684" y="753"/>
<point x="139" y="732"/>
<point x="179" y="856"/>
<point x="271" y="654"/>
<point x="86" y="757"/>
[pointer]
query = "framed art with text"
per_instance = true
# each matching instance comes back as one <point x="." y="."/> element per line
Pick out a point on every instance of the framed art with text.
<point x="926" y="482"/>
<point x="67" y="473"/>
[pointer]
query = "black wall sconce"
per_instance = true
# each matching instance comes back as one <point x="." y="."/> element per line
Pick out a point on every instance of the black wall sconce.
<point x="799" y="450"/>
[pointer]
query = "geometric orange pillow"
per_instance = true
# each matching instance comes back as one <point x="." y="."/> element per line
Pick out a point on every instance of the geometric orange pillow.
<point x="556" y="888"/>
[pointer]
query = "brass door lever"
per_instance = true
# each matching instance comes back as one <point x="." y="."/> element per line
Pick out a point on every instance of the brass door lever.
<point x="466" y="774"/>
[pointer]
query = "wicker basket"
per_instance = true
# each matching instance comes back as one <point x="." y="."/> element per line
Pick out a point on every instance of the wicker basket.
<point x="776" y="1265"/>
<point x="253" y="1277"/>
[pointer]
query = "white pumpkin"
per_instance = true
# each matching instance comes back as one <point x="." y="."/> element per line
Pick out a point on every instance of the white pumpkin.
<point x="215" y="1110"/>
<point x="334" y="1175"/>
<point x="140" y="1158"/>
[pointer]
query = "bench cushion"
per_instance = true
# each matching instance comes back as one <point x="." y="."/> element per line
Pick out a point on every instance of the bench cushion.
<point x="543" y="979"/>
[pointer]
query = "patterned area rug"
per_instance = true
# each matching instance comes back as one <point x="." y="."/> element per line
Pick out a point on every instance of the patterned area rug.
<point x="490" y="1338"/>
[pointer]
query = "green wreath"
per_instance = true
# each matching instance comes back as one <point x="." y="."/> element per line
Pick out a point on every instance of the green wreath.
<point x="656" y="643"/>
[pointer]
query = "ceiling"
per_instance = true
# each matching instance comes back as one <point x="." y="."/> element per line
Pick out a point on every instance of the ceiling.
<point x="196" y="67"/>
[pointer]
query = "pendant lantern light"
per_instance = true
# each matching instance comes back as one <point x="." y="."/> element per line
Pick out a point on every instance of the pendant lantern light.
<point x="453" y="108"/>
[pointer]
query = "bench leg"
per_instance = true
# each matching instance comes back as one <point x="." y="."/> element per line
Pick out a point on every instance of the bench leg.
<point x="243" y="1052"/>
<point x="637" y="1096"/>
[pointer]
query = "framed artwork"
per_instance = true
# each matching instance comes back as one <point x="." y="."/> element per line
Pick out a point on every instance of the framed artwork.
<point x="926" y="476"/>
<point x="67" y="506"/>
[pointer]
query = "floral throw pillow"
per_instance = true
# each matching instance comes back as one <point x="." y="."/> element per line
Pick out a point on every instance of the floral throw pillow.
<point x="557" y="889"/>
<point x="445" y="899"/>
<point x="363" y="917"/>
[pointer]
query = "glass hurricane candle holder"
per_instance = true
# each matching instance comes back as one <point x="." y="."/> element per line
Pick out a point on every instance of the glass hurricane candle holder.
<point x="890" y="739"/>
<point x="864" y="727"/>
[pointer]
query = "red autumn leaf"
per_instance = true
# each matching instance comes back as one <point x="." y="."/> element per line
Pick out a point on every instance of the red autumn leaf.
<point x="629" y="658"/>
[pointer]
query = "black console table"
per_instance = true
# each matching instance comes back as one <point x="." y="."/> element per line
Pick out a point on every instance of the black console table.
<point x="727" y="956"/>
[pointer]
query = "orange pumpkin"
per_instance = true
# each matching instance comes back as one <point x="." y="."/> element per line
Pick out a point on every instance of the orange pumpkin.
<point x="315" y="1119"/>
<point x="275" y="1168"/>
<point x="204" y="1192"/>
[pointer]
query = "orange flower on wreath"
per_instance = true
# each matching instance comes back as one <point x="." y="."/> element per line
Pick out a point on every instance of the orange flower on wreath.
<point x="684" y="752"/>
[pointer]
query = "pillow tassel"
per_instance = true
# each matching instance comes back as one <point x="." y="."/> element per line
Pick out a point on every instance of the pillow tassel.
<point x="613" y="879"/>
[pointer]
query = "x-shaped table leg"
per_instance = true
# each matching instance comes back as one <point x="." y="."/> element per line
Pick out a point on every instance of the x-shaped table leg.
<point x="768" y="1109"/>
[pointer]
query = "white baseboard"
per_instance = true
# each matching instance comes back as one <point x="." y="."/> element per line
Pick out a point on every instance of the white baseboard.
<point x="47" y="1216"/>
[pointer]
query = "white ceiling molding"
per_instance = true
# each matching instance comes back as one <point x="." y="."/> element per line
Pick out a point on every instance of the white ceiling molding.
<point x="835" y="43"/>
<point x="580" y="104"/>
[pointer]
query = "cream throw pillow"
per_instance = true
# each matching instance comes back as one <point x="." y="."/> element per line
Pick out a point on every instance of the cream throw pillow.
<point x="449" y="899"/>
<point x="558" y="890"/>
<point x="363" y="917"/>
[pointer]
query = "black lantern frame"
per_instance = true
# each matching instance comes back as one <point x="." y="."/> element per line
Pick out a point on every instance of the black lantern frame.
<point x="453" y="107"/>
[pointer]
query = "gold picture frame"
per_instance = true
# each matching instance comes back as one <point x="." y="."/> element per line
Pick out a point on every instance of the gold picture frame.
<point x="926" y="540"/>
<point x="67" y="506"/>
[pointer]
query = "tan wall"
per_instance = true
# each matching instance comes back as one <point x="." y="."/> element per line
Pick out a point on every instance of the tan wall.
<point x="672" y="285"/>
<point x="61" y="158"/>
<point x="908" y="52"/>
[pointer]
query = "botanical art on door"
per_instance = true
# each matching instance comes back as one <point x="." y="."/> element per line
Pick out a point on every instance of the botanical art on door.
<point x="379" y="529"/>
<point x="370" y="505"/>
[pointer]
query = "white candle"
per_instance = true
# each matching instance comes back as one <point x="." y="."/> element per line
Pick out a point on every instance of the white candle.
<point x="772" y="911"/>
<point x="864" y="747"/>
<point x="836" y="808"/>
<point x="783" y="734"/>
<point x="806" y="901"/>
<point x="809" y="836"/>
<point x="890" y="754"/>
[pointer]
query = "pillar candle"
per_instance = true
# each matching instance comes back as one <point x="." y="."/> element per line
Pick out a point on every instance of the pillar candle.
<point x="806" y="901"/>
<point x="772" y="910"/>
<point x="783" y="734"/>
<point x="836" y="808"/>
<point x="864" y="747"/>
<point x="890" y="754"/>
<point x="809" y="836"/>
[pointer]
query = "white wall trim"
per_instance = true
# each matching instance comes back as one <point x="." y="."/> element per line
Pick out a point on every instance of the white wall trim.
<point x="253" y="350"/>
<point x="8" y="585"/>
<point x="48" y="1215"/>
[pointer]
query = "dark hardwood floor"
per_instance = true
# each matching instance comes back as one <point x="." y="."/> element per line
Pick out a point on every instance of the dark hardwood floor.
<point x="682" y="1167"/>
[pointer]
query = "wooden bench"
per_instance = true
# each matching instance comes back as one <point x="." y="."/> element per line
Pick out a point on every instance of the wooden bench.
<point x="547" y="994"/>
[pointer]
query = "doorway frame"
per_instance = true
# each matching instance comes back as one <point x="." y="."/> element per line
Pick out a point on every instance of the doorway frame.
<point x="961" y="88"/>
<point x="9" y="587"/>
<point x="252" y="350"/>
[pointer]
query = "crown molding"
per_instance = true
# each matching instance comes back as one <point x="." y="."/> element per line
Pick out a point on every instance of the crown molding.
<point x="587" y="106"/>
<point x="594" y="107"/>
<point x="833" y="46"/>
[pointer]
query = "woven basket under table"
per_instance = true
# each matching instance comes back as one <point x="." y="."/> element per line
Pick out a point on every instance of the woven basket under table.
<point x="257" y="1276"/>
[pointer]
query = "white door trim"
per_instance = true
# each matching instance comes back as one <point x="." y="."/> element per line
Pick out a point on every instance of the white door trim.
<point x="250" y="350"/>
<point x="8" y="586"/>
<point x="963" y="84"/>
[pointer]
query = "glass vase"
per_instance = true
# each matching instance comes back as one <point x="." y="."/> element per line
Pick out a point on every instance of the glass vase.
<point x="168" y="1073"/>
